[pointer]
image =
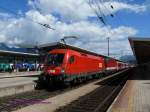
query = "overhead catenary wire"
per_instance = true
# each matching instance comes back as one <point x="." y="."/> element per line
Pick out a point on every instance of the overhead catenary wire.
<point x="96" y="12"/>
<point x="99" y="8"/>
<point x="103" y="4"/>
<point x="112" y="7"/>
<point x="20" y="15"/>
<point x="29" y="19"/>
<point x="109" y="10"/>
<point x="99" y="5"/>
<point x="118" y="19"/>
<point x="100" y="15"/>
<point x="112" y="15"/>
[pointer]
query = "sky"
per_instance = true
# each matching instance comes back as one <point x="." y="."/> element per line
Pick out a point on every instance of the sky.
<point x="19" y="23"/>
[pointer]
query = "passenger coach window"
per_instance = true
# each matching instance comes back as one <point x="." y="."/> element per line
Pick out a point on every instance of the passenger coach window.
<point x="107" y="59"/>
<point x="71" y="59"/>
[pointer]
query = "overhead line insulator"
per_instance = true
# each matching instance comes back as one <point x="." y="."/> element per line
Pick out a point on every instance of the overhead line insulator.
<point x="112" y="6"/>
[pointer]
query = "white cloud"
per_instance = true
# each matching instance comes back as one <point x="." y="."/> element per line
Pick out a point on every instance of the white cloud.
<point x="74" y="10"/>
<point x="5" y="15"/>
<point x="92" y="36"/>
<point x="136" y="8"/>
<point x="68" y="9"/>
<point x="124" y="6"/>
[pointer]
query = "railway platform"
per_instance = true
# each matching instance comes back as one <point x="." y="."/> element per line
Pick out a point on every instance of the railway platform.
<point x="15" y="83"/>
<point x="19" y="74"/>
<point x="134" y="97"/>
<point x="61" y="100"/>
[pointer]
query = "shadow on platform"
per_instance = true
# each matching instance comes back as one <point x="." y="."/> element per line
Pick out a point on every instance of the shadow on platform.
<point x="140" y="73"/>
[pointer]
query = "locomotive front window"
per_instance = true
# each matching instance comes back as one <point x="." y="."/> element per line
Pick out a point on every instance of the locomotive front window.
<point x="55" y="59"/>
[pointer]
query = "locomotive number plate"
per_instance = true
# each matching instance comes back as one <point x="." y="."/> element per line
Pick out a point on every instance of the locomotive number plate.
<point x="52" y="71"/>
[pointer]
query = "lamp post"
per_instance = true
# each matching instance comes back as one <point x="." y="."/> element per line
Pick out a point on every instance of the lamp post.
<point x="108" y="38"/>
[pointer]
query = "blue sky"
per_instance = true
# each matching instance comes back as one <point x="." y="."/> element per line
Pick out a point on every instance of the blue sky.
<point x="131" y="18"/>
<point x="15" y="5"/>
<point x="138" y="21"/>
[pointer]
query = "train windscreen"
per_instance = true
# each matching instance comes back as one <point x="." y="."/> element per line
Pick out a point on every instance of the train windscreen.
<point x="55" y="59"/>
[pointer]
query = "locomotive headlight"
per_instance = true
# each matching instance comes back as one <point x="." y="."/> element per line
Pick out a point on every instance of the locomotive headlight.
<point x="62" y="70"/>
<point x="51" y="71"/>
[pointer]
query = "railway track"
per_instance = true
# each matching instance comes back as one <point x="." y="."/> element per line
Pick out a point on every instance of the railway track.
<point x="14" y="102"/>
<point x="98" y="100"/>
<point x="11" y="103"/>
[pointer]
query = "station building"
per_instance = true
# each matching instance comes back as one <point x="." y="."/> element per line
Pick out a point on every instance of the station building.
<point x="12" y="60"/>
<point x="13" y="57"/>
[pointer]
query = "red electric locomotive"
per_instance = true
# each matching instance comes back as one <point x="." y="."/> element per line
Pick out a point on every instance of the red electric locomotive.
<point x="66" y="65"/>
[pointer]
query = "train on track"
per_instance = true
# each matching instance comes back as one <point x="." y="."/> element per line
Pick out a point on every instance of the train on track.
<point x="65" y="65"/>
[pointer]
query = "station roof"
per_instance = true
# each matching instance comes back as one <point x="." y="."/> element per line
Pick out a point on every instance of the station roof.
<point x="50" y="46"/>
<point x="141" y="49"/>
<point x="13" y="53"/>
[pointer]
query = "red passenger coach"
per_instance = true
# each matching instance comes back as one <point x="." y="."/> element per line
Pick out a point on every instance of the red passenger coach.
<point x="121" y="65"/>
<point x="111" y="64"/>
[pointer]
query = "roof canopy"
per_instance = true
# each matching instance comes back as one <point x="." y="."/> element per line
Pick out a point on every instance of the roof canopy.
<point x="141" y="49"/>
<point x="13" y="53"/>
